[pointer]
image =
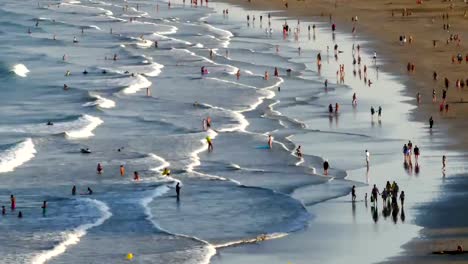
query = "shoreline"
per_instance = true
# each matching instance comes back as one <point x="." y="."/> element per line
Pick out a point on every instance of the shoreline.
<point x="415" y="250"/>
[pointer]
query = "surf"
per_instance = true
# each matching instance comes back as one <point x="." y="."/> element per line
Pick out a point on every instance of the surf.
<point x="17" y="155"/>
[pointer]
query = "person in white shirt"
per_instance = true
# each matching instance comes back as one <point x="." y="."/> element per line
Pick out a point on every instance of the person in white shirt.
<point x="367" y="158"/>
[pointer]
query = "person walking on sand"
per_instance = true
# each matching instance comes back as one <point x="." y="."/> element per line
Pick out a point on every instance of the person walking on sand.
<point x="402" y="198"/>
<point x="13" y="201"/>
<point x="372" y="111"/>
<point x="431" y="122"/>
<point x="354" y="99"/>
<point x="367" y="158"/>
<point x="353" y="193"/>
<point x="270" y="141"/>
<point x="326" y="166"/>
<point x="380" y="112"/>
<point x="416" y="154"/>
<point x="375" y="193"/>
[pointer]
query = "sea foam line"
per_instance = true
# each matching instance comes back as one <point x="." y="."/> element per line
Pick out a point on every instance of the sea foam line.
<point x="73" y="237"/>
<point x="20" y="70"/>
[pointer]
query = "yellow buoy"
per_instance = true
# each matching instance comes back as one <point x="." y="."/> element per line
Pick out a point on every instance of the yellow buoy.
<point x="129" y="256"/>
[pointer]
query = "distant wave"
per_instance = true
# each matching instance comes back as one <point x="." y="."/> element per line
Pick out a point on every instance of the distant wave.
<point x="73" y="237"/>
<point x="140" y="83"/>
<point x="17" y="155"/>
<point x="86" y="131"/>
<point x="100" y="102"/>
<point x="20" y="70"/>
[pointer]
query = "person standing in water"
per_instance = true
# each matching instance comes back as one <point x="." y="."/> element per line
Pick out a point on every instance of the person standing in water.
<point x="74" y="190"/>
<point x="353" y="193"/>
<point x="99" y="169"/>
<point x="178" y="190"/>
<point x="90" y="192"/>
<point x="380" y="112"/>
<point x="270" y="141"/>
<point x="13" y="201"/>
<point x="122" y="170"/>
<point x="416" y="154"/>
<point x="210" y="144"/>
<point x="367" y="158"/>
<point x="444" y="162"/>
<point x="431" y="122"/>
<point x="326" y="166"/>
<point x="299" y="152"/>
<point x="136" y="176"/>
<point x="44" y="208"/>
<point x="3" y="210"/>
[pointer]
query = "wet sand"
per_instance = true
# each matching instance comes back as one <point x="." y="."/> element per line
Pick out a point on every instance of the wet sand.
<point x="443" y="220"/>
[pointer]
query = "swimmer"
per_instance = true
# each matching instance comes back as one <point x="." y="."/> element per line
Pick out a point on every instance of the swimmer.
<point x="100" y="169"/>
<point x="20" y="214"/>
<point x="50" y="123"/>
<point x="210" y="143"/>
<point x="270" y="141"/>
<point x="136" y="176"/>
<point x="122" y="170"/>
<point x="166" y="172"/>
<point x="65" y="87"/>
<point x="85" y="72"/>
<point x="3" y="210"/>
<point x="75" y="40"/>
<point x="90" y="192"/>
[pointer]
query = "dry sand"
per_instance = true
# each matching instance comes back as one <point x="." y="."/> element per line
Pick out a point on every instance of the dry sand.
<point x="383" y="21"/>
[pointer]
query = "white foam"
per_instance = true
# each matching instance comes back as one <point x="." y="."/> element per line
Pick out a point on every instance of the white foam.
<point x="140" y="83"/>
<point x="73" y="237"/>
<point x="164" y="163"/>
<point x="95" y="27"/>
<point x="198" y="45"/>
<point x="100" y="102"/>
<point x="17" y="155"/>
<point x="20" y="70"/>
<point x="252" y="240"/>
<point x="87" y="131"/>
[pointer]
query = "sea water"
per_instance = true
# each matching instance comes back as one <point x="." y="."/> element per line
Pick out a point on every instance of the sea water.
<point x="145" y="110"/>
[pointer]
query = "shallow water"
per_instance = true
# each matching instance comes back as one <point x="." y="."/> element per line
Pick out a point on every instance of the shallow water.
<point x="144" y="109"/>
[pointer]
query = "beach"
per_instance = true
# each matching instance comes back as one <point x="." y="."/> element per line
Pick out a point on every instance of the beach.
<point x="126" y="101"/>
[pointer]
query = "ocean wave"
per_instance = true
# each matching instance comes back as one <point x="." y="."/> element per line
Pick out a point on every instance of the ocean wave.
<point x="73" y="237"/>
<point x="100" y="102"/>
<point x="140" y="83"/>
<point x="17" y="155"/>
<point x="20" y="70"/>
<point x="91" y="122"/>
